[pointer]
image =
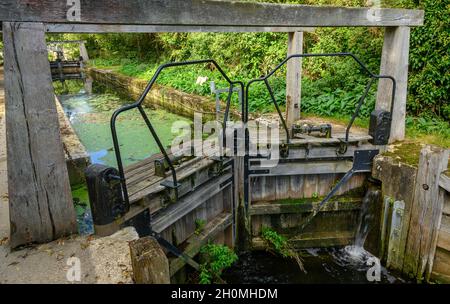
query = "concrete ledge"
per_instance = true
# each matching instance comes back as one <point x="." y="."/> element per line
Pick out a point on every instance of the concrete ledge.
<point x="77" y="158"/>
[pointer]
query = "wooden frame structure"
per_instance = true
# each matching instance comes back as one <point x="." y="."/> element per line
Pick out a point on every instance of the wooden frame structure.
<point x="81" y="44"/>
<point x="39" y="192"/>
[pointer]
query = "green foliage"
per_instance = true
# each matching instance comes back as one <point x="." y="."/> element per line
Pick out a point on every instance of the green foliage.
<point x="429" y="83"/>
<point x="217" y="258"/>
<point x="331" y="86"/>
<point x="68" y="87"/>
<point x="199" y="225"/>
<point x="280" y="245"/>
<point x="429" y="129"/>
<point x="276" y="241"/>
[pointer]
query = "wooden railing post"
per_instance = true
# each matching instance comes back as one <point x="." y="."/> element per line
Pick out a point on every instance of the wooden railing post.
<point x="394" y="62"/>
<point x="294" y="78"/>
<point x="83" y="51"/>
<point x="40" y="200"/>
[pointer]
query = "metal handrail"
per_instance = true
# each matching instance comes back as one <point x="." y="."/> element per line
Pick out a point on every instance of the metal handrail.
<point x="360" y="102"/>
<point x="138" y="105"/>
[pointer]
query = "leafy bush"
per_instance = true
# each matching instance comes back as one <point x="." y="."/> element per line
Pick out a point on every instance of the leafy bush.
<point x="331" y="86"/>
<point x="429" y="82"/>
<point x="280" y="245"/>
<point x="217" y="258"/>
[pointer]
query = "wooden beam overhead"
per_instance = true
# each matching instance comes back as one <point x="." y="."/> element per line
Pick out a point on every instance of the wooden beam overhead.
<point x="124" y="28"/>
<point x="202" y="13"/>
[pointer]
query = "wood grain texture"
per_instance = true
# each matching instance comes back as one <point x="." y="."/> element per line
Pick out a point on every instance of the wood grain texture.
<point x="203" y="12"/>
<point x="395" y="62"/>
<point x="444" y="182"/>
<point x="149" y="262"/>
<point x="121" y="28"/>
<point x="444" y="234"/>
<point x="41" y="207"/>
<point x="426" y="213"/>
<point x="263" y="208"/>
<point x="293" y="78"/>
<point x="441" y="266"/>
<point x="196" y="241"/>
<point x="174" y="212"/>
<point x="397" y="181"/>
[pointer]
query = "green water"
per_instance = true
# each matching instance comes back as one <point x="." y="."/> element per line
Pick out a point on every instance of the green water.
<point x="90" y="116"/>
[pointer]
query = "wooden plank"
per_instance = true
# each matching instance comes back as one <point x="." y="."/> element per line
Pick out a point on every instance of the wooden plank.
<point x="335" y="140"/>
<point x="398" y="180"/>
<point x="83" y="51"/>
<point x="293" y="78"/>
<point x="306" y="168"/>
<point x="189" y="177"/>
<point x="41" y="207"/>
<point x="444" y="234"/>
<point x="395" y="240"/>
<point x="441" y="266"/>
<point x="63" y="41"/>
<point x="426" y="213"/>
<point x="185" y="205"/>
<point x="313" y="240"/>
<point x="195" y="242"/>
<point x="118" y="28"/>
<point x="204" y="12"/>
<point x="265" y="208"/>
<point x="394" y="62"/>
<point x="444" y="182"/>
<point x="446" y="210"/>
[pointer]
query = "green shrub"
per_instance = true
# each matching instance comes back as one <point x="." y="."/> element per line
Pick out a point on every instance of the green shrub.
<point x="217" y="258"/>
<point x="331" y="86"/>
<point x="429" y="79"/>
<point x="279" y="244"/>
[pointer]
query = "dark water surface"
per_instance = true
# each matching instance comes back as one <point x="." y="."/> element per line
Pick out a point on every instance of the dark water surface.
<point x="325" y="266"/>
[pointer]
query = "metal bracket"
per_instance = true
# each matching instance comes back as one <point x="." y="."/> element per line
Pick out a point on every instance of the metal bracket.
<point x="163" y="242"/>
<point x="170" y="184"/>
<point x="258" y="172"/>
<point x="223" y="184"/>
<point x="363" y="159"/>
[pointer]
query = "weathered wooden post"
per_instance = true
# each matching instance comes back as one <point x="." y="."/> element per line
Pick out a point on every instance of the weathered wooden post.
<point x="83" y="51"/>
<point x="149" y="262"/>
<point x="426" y="213"/>
<point x="293" y="78"/>
<point x="40" y="199"/>
<point x="394" y="62"/>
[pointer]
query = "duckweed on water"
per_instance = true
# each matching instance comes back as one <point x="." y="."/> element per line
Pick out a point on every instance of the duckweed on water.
<point x="90" y="117"/>
<point x="83" y="209"/>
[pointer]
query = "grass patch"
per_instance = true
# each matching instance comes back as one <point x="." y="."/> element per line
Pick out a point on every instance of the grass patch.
<point x="199" y="226"/>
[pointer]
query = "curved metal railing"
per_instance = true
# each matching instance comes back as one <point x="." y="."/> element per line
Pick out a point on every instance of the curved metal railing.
<point x="372" y="76"/>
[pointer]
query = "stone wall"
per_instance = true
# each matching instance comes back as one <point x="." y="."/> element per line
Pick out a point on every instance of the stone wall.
<point x="168" y="98"/>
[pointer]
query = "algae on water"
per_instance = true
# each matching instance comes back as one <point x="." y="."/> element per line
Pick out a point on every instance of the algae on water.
<point x="90" y="117"/>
